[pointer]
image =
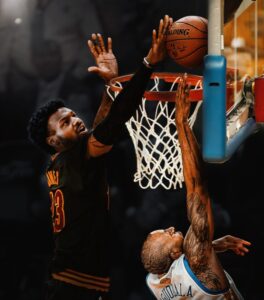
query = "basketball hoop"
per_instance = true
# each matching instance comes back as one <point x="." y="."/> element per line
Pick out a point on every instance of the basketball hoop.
<point x="153" y="130"/>
<point x="194" y="81"/>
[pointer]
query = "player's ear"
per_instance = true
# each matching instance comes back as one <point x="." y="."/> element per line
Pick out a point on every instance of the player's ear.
<point x="52" y="141"/>
<point x="175" y="254"/>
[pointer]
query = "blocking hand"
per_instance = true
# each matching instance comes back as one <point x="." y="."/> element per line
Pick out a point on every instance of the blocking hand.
<point x="107" y="67"/>
<point x="158" y="51"/>
<point x="182" y="103"/>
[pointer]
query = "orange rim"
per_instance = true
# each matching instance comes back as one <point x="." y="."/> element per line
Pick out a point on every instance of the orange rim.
<point x="196" y="94"/>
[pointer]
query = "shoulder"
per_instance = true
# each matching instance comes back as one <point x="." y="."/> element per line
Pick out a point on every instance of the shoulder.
<point x="80" y="147"/>
<point x="165" y="279"/>
<point x="76" y="154"/>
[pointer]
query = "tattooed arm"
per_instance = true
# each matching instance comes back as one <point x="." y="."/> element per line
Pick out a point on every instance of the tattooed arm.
<point x="199" y="211"/>
<point x="198" y="247"/>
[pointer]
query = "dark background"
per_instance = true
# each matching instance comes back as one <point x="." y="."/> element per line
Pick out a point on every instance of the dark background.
<point x="43" y="54"/>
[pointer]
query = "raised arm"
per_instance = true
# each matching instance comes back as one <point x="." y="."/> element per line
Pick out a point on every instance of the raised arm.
<point x="198" y="240"/>
<point x="106" y="67"/>
<point x="128" y="100"/>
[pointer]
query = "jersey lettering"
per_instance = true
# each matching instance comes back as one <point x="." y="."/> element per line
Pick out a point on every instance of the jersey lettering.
<point x="57" y="210"/>
<point x="171" y="291"/>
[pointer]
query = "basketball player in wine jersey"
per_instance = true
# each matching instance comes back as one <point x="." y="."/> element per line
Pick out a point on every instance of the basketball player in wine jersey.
<point x="76" y="175"/>
<point x="188" y="267"/>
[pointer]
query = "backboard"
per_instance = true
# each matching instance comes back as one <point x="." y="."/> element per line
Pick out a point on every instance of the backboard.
<point x="233" y="59"/>
<point x="242" y="38"/>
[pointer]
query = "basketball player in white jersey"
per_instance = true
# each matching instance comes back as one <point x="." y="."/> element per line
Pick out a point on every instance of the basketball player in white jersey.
<point x="188" y="267"/>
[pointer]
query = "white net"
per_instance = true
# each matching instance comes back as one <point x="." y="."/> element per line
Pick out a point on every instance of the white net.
<point x="154" y="135"/>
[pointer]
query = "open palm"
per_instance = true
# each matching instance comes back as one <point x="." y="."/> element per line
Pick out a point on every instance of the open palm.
<point x="107" y="67"/>
<point x="158" y="51"/>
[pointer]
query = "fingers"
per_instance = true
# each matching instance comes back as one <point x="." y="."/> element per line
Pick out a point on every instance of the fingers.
<point x="244" y="249"/>
<point x="238" y="252"/>
<point x="187" y="86"/>
<point x="160" y="31"/>
<point x="184" y="79"/>
<point x="238" y="240"/>
<point x="179" y="90"/>
<point x="246" y="242"/>
<point x="92" y="48"/>
<point x="154" y="37"/>
<point x="101" y="42"/>
<point x="94" y="69"/>
<point x="166" y="24"/>
<point x="163" y="26"/>
<point x="241" y="252"/>
<point x="97" y="46"/>
<point x="240" y="246"/>
<point x="109" y="45"/>
<point x="184" y="88"/>
<point x="96" y="43"/>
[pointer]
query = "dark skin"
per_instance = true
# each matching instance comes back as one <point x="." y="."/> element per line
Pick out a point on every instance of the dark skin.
<point x="65" y="128"/>
<point x="176" y="239"/>
<point x="229" y="242"/>
<point x="197" y="245"/>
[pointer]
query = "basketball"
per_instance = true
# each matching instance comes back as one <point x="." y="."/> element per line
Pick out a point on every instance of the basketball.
<point x="186" y="41"/>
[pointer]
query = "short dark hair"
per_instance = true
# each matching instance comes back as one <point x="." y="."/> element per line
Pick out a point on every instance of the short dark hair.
<point x="38" y="124"/>
<point x="155" y="256"/>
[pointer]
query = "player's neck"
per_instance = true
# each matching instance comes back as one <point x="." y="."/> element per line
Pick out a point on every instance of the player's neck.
<point x="165" y="281"/>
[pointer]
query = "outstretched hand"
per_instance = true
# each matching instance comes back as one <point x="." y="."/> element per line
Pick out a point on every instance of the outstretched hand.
<point x="158" y="51"/>
<point x="182" y="103"/>
<point x="107" y="67"/>
<point x="233" y="243"/>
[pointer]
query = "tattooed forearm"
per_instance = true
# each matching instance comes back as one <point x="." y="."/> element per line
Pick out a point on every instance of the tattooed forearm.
<point x="195" y="251"/>
<point x="193" y="248"/>
<point x="197" y="215"/>
<point x="197" y="241"/>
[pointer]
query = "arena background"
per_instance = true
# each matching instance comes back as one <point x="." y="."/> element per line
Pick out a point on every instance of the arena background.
<point x="43" y="54"/>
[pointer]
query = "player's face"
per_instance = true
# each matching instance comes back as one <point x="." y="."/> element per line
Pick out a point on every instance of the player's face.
<point x="171" y="238"/>
<point x="65" y="129"/>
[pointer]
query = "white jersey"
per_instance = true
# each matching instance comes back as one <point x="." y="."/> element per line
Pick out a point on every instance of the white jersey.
<point x="180" y="283"/>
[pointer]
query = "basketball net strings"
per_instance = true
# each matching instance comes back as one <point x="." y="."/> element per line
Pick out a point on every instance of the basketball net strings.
<point x="155" y="141"/>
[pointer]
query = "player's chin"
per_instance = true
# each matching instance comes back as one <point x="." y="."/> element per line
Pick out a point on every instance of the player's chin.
<point x="178" y="233"/>
<point x="83" y="133"/>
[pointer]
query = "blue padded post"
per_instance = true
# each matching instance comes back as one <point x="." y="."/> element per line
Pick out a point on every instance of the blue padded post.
<point x="214" y="108"/>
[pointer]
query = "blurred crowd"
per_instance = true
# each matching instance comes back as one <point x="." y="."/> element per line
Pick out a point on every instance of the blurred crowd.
<point x="43" y="55"/>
